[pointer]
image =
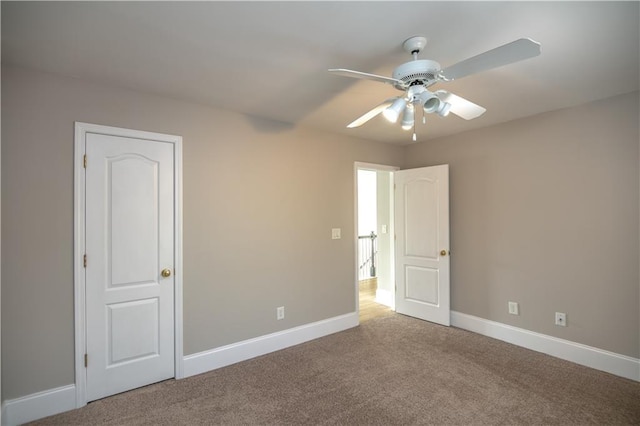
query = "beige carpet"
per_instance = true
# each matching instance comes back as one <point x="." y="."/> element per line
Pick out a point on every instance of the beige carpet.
<point x="392" y="370"/>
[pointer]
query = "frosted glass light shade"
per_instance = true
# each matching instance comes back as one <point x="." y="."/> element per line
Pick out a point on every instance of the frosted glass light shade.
<point x="393" y="112"/>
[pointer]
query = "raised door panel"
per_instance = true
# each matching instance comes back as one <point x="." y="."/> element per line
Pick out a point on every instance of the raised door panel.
<point x="421" y="218"/>
<point x="132" y="214"/>
<point x="421" y="285"/>
<point x="133" y="330"/>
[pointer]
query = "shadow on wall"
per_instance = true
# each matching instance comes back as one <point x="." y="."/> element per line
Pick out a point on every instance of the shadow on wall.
<point x="269" y="126"/>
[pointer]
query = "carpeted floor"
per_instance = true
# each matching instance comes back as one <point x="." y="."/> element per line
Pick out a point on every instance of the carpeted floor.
<point x="392" y="370"/>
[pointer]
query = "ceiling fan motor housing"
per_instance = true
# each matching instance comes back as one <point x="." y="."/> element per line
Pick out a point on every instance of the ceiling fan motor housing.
<point x="423" y="71"/>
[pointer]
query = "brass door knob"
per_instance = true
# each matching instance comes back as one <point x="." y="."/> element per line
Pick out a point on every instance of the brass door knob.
<point x="443" y="252"/>
<point x="166" y="273"/>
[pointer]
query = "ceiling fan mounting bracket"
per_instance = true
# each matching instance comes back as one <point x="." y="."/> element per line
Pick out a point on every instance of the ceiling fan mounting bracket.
<point x="414" y="44"/>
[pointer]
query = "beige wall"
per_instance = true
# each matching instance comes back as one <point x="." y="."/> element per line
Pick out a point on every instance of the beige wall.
<point x="260" y="200"/>
<point x="544" y="212"/>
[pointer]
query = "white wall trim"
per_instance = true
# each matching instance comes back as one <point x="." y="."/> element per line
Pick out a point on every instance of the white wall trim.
<point x="54" y="401"/>
<point x="58" y="400"/>
<point x="375" y="167"/>
<point x="600" y="359"/>
<point x="81" y="130"/>
<point x="38" y="405"/>
<point x="385" y="297"/>
<point x="202" y="362"/>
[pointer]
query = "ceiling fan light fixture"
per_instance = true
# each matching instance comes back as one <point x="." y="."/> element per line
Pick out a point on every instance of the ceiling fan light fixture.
<point x="444" y="110"/>
<point x="431" y="103"/>
<point x="392" y="113"/>
<point x="408" y="117"/>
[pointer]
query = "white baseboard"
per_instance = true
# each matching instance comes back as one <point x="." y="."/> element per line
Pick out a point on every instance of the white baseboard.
<point x="611" y="362"/>
<point x="38" y="405"/>
<point x="202" y="362"/>
<point x="54" y="401"/>
<point x="385" y="297"/>
<point x="47" y="403"/>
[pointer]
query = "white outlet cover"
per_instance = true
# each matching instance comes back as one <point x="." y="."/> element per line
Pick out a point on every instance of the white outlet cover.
<point x="513" y="308"/>
<point x="335" y="234"/>
<point x="561" y="319"/>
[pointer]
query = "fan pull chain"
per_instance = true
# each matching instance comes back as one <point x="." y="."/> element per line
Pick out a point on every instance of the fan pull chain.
<point x="414" y="130"/>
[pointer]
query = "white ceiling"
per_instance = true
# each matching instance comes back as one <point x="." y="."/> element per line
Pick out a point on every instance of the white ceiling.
<point x="270" y="59"/>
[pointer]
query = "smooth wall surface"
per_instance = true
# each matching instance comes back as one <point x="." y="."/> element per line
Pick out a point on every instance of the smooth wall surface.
<point x="260" y="199"/>
<point x="544" y="212"/>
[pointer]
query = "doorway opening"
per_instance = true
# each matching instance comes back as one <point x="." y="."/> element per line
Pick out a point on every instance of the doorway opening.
<point x="410" y="268"/>
<point x="374" y="244"/>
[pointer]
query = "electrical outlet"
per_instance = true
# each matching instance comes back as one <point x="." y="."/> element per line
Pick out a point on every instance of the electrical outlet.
<point x="280" y="312"/>
<point x="335" y="234"/>
<point x="561" y="319"/>
<point x="513" y="308"/>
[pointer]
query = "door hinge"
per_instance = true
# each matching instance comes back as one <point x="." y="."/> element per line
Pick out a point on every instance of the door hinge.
<point x="84" y="261"/>
<point x="86" y="360"/>
<point x="84" y="161"/>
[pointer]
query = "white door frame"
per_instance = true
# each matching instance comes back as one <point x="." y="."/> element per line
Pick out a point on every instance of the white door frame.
<point x="80" y="325"/>
<point x="378" y="168"/>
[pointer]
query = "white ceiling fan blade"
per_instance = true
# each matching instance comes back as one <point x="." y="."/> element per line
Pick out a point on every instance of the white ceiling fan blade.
<point x="357" y="74"/>
<point x="369" y="115"/>
<point x="515" y="51"/>
<point x="460" y="106"/>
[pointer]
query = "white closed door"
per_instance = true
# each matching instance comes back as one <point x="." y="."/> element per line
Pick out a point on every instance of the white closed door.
<point x="422" y="243"/>
<point x="129" y="242"/>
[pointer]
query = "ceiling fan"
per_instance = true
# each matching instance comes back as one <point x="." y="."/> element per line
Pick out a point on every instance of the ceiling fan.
<point x="416" y="76"/>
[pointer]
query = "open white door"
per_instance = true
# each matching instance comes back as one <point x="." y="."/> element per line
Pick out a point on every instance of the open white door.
<point x="422" y="243"/>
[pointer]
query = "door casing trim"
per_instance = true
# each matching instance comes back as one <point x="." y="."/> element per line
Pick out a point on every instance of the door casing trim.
<point x="80" y="325"/>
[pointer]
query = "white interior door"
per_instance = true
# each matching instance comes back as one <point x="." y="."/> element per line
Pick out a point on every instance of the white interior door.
<point x="129" y="242"/>
<point x="422" y="243"/>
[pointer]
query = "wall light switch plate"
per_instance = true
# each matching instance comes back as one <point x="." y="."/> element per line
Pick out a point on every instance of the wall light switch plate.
<point x="384" y="229"/>
<point x="335" y="234"/>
